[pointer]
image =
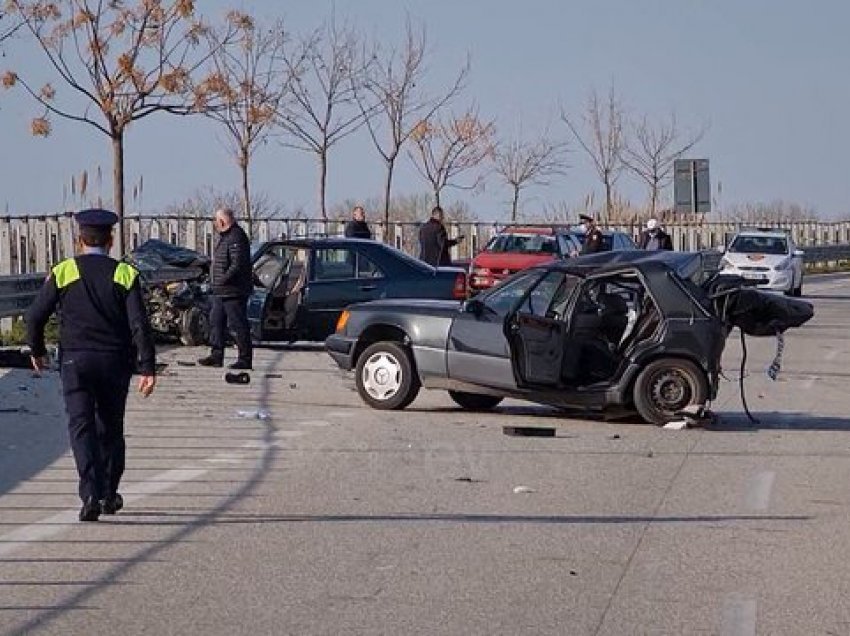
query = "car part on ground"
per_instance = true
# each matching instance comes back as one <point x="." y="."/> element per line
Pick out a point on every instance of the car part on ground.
<point x="635" y="330"/>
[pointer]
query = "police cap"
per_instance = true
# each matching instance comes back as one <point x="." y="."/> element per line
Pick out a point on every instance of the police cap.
<point x="585" y="217"/>
<point x="96" y="217"/>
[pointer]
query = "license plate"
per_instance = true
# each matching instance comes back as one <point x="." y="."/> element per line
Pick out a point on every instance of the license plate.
<point x="754" y="276"/>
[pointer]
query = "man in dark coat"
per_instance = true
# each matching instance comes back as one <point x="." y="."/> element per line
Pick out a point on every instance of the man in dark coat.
<point x="232" y="283"/>
<point x="654" y="238"/>
<point x="103" y="335"/>
<point x="434" y="241"/>
<point x="592" y="235"/>
<point x="357" y="226"/>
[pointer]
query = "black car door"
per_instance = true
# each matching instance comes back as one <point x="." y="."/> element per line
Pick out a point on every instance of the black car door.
<point x="339" y="276"/>
<point x="478" y="350"/>
<point x="537" y="331"/>
<point x="279" y="272"/>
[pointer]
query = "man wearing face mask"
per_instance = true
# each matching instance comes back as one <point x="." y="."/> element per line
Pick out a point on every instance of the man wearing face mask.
<point x="654" y="238"/>
<point x="232" y="284"/>
<point x="592" y="235"/>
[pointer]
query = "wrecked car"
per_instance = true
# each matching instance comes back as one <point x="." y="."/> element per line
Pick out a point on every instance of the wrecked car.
<point x="639" y="331"/>
<point x="176" y="290"/>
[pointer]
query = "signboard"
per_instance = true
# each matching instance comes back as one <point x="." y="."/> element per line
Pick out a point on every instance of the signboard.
<point x="691" y="186"/>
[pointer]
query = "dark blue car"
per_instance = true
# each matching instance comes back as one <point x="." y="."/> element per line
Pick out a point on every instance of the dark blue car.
<point x="301" y="286"/>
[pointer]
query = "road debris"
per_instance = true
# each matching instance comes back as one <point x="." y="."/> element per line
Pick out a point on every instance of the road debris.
<point x="237" y="378"/>
<point x="529" y="431"/>
<point x="523" y="490"/>
<point x="254" y="414"/>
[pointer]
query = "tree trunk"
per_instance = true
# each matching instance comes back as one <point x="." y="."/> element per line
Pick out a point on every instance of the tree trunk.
<point x="388" y="184"/>
<point x="437" y="197"/>
<point x="118" y="190"/>
<point x="323" y="180"/>
<point x="246" y="192"/>
<point x="653" y="200"/>
<point x="515" y="205"/>
<point x="608" y="202"/>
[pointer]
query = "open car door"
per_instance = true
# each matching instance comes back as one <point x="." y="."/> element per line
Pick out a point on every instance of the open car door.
<point x="537" y="331"/>
<point x="279" y="275"/>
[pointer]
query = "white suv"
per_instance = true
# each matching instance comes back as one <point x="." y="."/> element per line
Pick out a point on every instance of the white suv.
<point x="768" y="257"/>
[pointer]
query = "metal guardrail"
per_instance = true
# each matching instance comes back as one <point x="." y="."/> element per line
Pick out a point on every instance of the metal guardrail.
<point x="18" y="292"/>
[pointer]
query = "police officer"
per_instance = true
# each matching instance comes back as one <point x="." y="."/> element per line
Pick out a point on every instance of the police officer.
<point x="592" y="235"/>
<point x="102" y="316"/>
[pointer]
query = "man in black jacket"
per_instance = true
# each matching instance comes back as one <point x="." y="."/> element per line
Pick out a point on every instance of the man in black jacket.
<point x="232" y="284"/>
<point x="103" y="334"/>
<point x="357" y="226"/>
<point x="434" y="241"/>
<point x="655" y="238"/>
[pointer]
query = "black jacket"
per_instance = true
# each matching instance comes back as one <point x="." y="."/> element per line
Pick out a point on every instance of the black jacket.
<point x="231" y="272"/>
<point x="434" y="243"/>
<point x="593" y="241"/>
<point x="664" y="240"/>
<point x="358" y="229"/>
<point x="100" y="309"/>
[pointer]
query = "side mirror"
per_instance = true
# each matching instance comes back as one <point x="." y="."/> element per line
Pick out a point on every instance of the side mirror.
<point x="473" y="306"/>
<point x="798" y="254"/>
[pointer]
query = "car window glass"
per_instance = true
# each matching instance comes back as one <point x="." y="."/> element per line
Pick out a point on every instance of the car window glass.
<point x="277" y="261"/>
<point x="537" y="303"/>
<point x="505" y="297"/>
<point x="366" y="268"/>
<point x="759" y="245"/>
<point x="334" y="264"/>
<point x="561" y="299"/>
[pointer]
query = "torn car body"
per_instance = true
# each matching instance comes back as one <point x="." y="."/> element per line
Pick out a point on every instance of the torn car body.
<point x="636" y="330"/>
<point x="176" y="289"/>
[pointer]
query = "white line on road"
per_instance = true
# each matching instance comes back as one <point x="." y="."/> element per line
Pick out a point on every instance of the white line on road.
<point x="739" y="616"/>
<point x="317" y="423"/>
<point x="758" y="493"/>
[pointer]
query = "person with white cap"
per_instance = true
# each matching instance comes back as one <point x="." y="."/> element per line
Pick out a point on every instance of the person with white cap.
<point x="655" y="238"/>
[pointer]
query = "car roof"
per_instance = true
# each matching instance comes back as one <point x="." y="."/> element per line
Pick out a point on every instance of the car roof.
<point x="581" y="231"/>
<point x="319" y="241"/>
<point x="612" y="261"/>
<point x="763" y="233"/>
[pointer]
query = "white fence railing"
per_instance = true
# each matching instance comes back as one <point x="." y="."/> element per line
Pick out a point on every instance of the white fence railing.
<point x="34" y="244"/>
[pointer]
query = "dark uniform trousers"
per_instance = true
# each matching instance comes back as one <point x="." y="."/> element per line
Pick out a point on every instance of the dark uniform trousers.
<point x="233" y="313"/>
<point x="95" y="386"/>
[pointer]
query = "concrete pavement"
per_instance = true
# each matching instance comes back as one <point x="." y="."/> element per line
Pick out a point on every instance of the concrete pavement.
<point x="330" y="518"/>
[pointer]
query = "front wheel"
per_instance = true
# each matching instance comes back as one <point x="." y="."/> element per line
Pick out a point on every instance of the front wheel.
<point x="194" y="327"/>
<point x="665" y="387"/>
<point x="474" y="401"/>
<point x="385" y="376"/>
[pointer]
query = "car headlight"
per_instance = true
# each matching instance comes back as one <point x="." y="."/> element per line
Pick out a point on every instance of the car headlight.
<point x="785" y="263"/>
<point x="481" y="271"/>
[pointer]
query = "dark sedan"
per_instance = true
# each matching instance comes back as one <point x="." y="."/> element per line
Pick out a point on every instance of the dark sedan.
<point x="302" y="285"/>
<point x="639" y="330"/>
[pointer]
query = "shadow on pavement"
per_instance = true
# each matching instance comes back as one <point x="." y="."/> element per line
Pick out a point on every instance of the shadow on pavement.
<point x="728" y="422"/>
<point x="33" y="431"/>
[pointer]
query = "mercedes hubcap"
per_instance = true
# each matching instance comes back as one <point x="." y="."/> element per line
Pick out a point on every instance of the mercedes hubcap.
<point x="382" y="376"/>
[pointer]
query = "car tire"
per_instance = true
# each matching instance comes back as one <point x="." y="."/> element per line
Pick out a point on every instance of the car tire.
<point x="385" y="376"/>
<point x="475" y="401"/>
<point x="666" y="386"/>
<point x="194" y="327"/>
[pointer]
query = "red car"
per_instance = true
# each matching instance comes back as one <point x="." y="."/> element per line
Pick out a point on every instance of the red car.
<point x="513" y="250"/>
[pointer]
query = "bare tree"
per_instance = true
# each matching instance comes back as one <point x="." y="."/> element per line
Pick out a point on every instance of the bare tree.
<point x="523" y="163"/>
<point x="327" y="69"/>
<point x="393" y="101"/>
<point x="600" y="133"/>
<point x="448" y="149"/>
<point x="9" y="25"/>
<point x="199" y="204"/>
<point x="651" y="151"/>
<point x="250" y="81"/>
<point x="125" y="60"/>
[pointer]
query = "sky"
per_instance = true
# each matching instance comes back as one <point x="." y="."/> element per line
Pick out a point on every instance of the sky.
<point x="767" y="77"/>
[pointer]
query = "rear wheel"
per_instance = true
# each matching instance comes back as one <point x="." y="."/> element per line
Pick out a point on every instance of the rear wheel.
<point x="194" y="327"/>
<point x="474" y="401"/>
<point x="665" y="387"/>
<point x="385" y="376"/>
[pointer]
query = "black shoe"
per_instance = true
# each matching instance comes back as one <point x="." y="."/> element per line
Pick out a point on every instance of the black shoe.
<point x="211" y="361"/>
<point x="112" y="504"/>
<point x="241" y="365"/>
<point x="90" y="510"/>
